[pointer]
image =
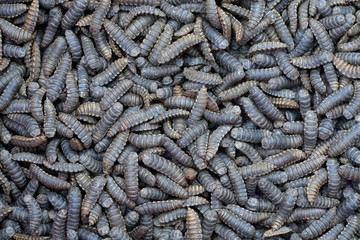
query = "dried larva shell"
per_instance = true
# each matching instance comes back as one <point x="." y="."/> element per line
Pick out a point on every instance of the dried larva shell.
<point x="306" y="213"/>
<point x="176" y="152"/>
<point x="27" y="121"/>
<point x="72" y="97"/>
<point x="57" y="50"/>
<point x="256" y="13"/>
<point x="236" y="91"/>
<point x="310" y="131"/>
<point x="5" y="184"/>
<point x="114" y="150"/>
<point x="74" y="13"/>
<point x="140" y="116"/>
<point x="333" y="177"/>
<point x="350" y="57"/>
<point x="48" y="180"/>
<point x="293" y="16"/>
<point x="345" y="68"/>
<point x="74" y="197"/>
<point x="265" y="105"/>
<point x="228" y="233"/>
<point x="28" y="157"/>
<point x="36" y="105"/>
<point x="286" y="157"/>
<point x="13" y="51"/>
<point x="285" y="209"/>
<point x="77" y="128"/>
<point x="15" y="33"/>
<point x="214" y="36"/>
<point x="12" y="10"/>
<point x="199" y="106"/>
<point x="326" y="128"/>
<point x="131" y="176"/>
<point x="12" y="168"/>
<point x="178" y="47"/>
<point x="246" y="215"/>
<point x="49" y="119"/>
<point x="111" y="72"/>
<point x="153" y="194"/>
<point x="57" y="81"/>
<point x="18" y="106"/>
<point x="34" y="213"/>
<point x="237" y="224"/>
<point x="351" y="228"/>
<point x="313" y="61"/>
<point x="254" y="114"/>
<point x="271" y="191"/>
<point x="31" y="142"/>
<point x="192" y="132"/>
<point x="249" y="151"/>
<point x="170" y="187"/>
<point x="92" y="195"/>
<point x="64" y="167"/>
<point x="145" y="141"/>
<point x="9" y="92"/>
<point x="284" y="103"/>
<point x="264" y="60"/>
<point x="140" y="11"/>
<point x="296" y="171"/>
<point x="118" y="194"/>
<point x="316" y="181"/>
<point x="185" y="29"/>
<point x="165" y="167"/>
<point x="346" y="141"/>
<point x="321" y="35"/>
<point x="121" y="38"/>
<point x="333" y="233"/>
<point x="179" y="102"/>
<point x="285" y="65"/>
<point x="90" y="109"/>
<point x="193" y="224"/>
<point x="151" y="37"/>
<point x="266" y="46"/>
<point x="107" y="120"/>
<point x="98" y="16"/>
<point x="170" y="114"/>
<point x="115" y="93"/>
<point x="177" y="13"/>
<point x="319" y="226"/>
<point x="160" y="206"/>
<point x="282" y="142"/>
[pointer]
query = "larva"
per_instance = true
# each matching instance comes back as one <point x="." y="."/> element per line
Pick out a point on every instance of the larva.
<point x="310" y="131"/>
<point x="192" y="132"/>
<point x="77" y="128"/>
<point x="164" y="166"/>
<point x="319" y="226"/>
<point x="176" y="48"/>
<point x="237" y="224"/>
<point x="121" y="38"/>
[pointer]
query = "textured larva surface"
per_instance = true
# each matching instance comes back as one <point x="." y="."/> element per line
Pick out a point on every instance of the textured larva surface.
<point x="179" y="119"/>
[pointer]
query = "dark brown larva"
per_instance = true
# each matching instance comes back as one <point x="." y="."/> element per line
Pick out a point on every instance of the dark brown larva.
<point x="178" y="47"/>
<point x="77" y="128"/>
<point x="164" y="166"/>
<point x="351" y="71"/>
<point x="48" y="180"/>
<point x="120" y="37"/>
<point x="142" y="119"/>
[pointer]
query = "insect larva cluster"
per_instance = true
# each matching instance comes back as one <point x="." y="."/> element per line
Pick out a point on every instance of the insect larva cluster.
<point x="179" y="119"/>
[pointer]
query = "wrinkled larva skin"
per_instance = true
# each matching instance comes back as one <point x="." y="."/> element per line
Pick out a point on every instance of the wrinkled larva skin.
<point x="175" y="119"/>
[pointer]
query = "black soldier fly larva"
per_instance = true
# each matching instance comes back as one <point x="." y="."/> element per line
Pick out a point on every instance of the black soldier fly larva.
<point x="179" y="119"/>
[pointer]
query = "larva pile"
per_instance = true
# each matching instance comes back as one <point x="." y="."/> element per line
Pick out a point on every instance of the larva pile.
<point x="179" y="119"/>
